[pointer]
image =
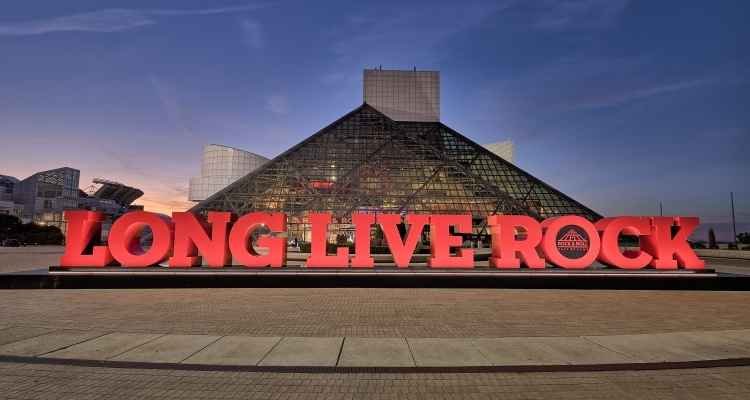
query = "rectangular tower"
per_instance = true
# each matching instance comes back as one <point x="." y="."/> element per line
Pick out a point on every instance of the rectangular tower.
<point x="404" y="95"/>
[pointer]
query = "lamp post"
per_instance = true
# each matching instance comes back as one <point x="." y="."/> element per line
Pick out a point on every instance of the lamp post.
<point x="734" y="225"/>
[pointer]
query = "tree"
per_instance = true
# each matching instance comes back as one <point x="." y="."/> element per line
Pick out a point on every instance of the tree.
<point x="712" y="239"/>
<point x="10" y="227"/>
<point x="377" y="236"/>
<point x="32" y="233"/>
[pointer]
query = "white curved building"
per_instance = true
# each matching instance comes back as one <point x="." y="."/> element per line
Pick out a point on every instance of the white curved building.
<point x="220" y="166"/>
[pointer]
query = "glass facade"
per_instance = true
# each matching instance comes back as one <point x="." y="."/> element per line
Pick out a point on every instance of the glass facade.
<point x="47" y="194"/>
<point x="7" y="187"/>
<point x="367" y="162"/>
<point x="220" y="166"/>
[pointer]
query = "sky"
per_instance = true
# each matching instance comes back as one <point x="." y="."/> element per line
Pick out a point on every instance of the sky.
<point x="619" y="104"/>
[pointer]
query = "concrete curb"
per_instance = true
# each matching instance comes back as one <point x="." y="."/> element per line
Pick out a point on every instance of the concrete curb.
<point x="320" y="354"/>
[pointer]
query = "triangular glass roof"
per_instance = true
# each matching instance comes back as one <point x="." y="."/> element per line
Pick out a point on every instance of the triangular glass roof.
<point x="366" y="162"/>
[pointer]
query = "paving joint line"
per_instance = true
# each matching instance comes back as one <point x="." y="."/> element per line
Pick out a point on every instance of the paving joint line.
<point x="71" y="345"/>
<point x="411" y="353"/>
<point x="341" y="349"/>
<point x="137" y="346"/>
<point x="473" y="342"/>
<point x="52" y="330"/>
<point x="626" y="355"/>
<point x="281" y="338"/>
<point x="202" y="348"/>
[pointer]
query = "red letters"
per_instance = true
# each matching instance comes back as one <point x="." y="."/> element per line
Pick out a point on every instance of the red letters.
<point x="240" y="240"/>
<point x="610" y="229"/>
<point x="441" y="242"/>
<point x="190" y="237"/>
<point x="505" y="247"/>
<point x="318" y="258"/>
<point x="362" y="258"/>
<point x="551" y="242"/>
<point x="668" y="251"/>
<point x="402" y="250"/>
<point x="570" y="242"/>
<point x="125" y="236"/>
<point x="83" y="228"/>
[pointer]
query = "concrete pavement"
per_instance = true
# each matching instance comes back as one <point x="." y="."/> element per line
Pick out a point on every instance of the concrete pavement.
<point x="238" y="350"/>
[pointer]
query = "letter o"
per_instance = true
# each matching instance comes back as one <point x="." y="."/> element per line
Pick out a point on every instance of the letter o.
<point x="551" y="229"/>
<point x="124" y="239"/>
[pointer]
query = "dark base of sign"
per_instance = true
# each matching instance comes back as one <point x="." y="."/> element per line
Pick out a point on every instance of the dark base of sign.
<point x="634" y="366"/>
<point x="160" y="277"/>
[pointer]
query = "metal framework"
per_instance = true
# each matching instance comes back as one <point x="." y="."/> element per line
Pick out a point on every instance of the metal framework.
<point x="366" y="162"/>
<point x="120" y="193"/>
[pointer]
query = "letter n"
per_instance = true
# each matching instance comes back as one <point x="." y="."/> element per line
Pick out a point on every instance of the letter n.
<point x="191" y="238"/>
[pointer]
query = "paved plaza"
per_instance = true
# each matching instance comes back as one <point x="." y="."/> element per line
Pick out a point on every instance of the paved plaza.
<point x="17" y="259"/>
<point x="377" y="312"/>
<point x="30" y="381"/>
<point x="366" y="327"/>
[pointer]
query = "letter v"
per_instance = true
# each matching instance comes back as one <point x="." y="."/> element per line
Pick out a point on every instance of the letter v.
<point x="402" y="251"/>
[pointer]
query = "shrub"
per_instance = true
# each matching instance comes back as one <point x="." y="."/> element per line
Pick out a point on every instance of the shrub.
<point x="10" y="227"/>
<point x="40" y="234"/>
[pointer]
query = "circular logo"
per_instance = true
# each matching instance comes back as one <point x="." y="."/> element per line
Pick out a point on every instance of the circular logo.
<point x="572" y="242"/>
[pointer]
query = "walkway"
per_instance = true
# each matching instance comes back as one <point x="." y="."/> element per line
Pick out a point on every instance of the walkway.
<point x="235" y="350"/>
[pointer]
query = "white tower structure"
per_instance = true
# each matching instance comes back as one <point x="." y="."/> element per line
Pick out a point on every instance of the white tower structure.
<point x="220" y="166"/>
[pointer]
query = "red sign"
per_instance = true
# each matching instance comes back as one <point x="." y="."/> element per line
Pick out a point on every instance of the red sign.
<point x="570" y="242"/>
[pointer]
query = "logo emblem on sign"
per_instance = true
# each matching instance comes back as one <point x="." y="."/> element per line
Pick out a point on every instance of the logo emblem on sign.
<point x="572" y="242"/>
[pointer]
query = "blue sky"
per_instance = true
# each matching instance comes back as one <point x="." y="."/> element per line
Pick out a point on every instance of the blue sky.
<point x="621" y="104"/>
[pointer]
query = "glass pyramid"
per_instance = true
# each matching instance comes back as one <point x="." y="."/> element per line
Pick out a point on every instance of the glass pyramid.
<point x="366" y="162"/>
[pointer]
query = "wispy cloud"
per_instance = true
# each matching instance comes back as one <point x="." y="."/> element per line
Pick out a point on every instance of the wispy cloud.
<point x="252" y="33"/>
<point x="552" y="91"/>
<point x="578" y="14"/>
<point x="108" y="20"/>
<point x="410" y="29"/>
<point x="167" y="95"/>
<point x="277" y="104"/>
<point x="642" y="92"/>
<point x="210" y="11"/>
<point x="401" y="37"/>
